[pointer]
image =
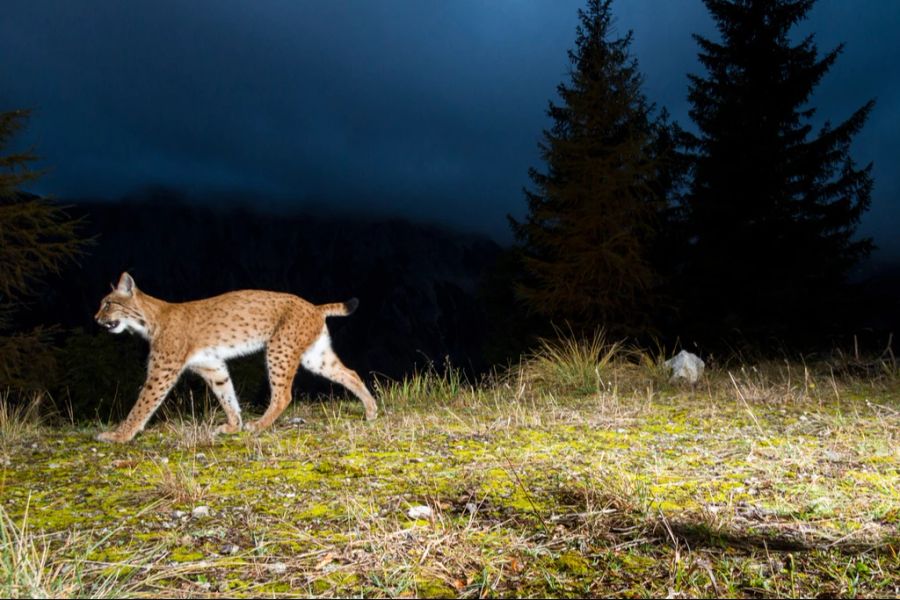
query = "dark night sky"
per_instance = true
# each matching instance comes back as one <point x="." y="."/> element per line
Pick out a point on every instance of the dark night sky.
<point x="429" y="110"/>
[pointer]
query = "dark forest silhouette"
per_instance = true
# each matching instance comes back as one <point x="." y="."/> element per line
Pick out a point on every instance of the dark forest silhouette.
<point x="737" y="235"/>
<point x="771" y="211"/>
<point x="742" y="233"/>
<point x="417" y="286"/>
<point x="37" y="238"/>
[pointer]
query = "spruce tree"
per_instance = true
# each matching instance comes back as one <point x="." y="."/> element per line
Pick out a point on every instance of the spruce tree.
<point x="773" y="206"/>
<point x="584" y="241"/>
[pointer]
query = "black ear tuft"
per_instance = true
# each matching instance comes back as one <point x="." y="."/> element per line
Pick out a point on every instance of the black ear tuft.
<point x="350" y="305"/>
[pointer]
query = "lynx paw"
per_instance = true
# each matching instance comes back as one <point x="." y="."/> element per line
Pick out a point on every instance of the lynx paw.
<point x="112" y="437"/>
<point x="228" y="428"/>
<point x="253" y="427"/>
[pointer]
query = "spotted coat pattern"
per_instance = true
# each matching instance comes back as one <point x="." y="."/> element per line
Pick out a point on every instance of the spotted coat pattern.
<point x="201" y="335"/>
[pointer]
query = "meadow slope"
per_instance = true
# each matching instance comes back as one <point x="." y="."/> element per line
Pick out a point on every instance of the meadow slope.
<point x="565" y="477"/>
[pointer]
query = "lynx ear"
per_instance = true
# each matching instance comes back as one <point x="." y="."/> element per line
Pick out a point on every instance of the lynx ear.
<point x="126" y="284"/>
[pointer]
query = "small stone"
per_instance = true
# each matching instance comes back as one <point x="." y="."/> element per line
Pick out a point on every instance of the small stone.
<point x="230" y="549"/>
<point x="297" y="421"/>
<point x="179" y="514"/>
<point x="278" y="567"/>
<point x="687" y="366"/>
<point x="200" y="456"/>
<point x="471" y="508"/>
<point x="776" y="566"/>
<point x="200" y="512"/>
<point x="420" y="512"/>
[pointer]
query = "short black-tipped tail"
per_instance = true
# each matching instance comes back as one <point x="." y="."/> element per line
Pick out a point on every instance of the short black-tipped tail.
<point x="339" y="309"/>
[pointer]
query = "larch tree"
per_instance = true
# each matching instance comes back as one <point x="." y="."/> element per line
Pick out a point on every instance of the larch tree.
<point x="584" y="243"/>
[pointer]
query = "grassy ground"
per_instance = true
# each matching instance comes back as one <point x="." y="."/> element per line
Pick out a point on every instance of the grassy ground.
<point x="566" y="477"/>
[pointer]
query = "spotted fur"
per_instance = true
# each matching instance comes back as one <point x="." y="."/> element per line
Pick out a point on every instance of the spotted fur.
<point x="200" y="336"/>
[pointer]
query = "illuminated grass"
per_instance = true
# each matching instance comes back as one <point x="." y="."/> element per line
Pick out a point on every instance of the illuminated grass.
<point x="774" y="480"/>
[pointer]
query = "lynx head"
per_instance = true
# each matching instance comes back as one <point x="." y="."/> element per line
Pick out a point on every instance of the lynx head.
<point x="121" y="309"/>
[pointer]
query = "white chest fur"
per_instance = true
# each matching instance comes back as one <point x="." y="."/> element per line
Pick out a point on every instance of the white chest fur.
<point x="208" y="357"/>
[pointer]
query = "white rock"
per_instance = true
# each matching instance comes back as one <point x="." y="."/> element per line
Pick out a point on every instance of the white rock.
<point x="278" y="567"/>
<point x="200" y="511"/>
<point x="686" y="366"/>
<point x="420" y="512"/>
<point x="230" y="549"/>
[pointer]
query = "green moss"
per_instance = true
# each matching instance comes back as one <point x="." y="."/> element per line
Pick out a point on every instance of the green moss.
<point x="433" y="588"/>
<point x="336" y="582"/>
<point x="182" y="554"/>
<point x="637" y="563"/>
<point x="316" y="511"/>
<point x="109" y="554"/>
<point x="573" y="563"/>
<point x="273" y="587"/>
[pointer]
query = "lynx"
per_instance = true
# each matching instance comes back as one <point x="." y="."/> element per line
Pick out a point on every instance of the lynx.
<point x="200" y="336"/>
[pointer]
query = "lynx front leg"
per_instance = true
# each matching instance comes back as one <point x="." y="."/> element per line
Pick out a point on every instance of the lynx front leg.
<point x="161" y="376"/>
<point x="219" y="382"/>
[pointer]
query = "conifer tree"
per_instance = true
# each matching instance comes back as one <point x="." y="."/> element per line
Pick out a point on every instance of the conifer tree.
<point x="36" y="238"/>
<point x="773" y="206"/>
<point x="584" y="241"/>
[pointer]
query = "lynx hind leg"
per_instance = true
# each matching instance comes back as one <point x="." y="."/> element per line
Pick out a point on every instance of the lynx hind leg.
<point x="282" y="359"/>
<point x="161" y="376"/>
<point x="321" y="360"/>
<point x="219" y="381"/>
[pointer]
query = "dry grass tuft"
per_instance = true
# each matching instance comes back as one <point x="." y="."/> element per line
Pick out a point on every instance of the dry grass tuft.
<point x="21" y="421"/>
<point x="179" y="484"/>
<point x="30" y="567"/>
